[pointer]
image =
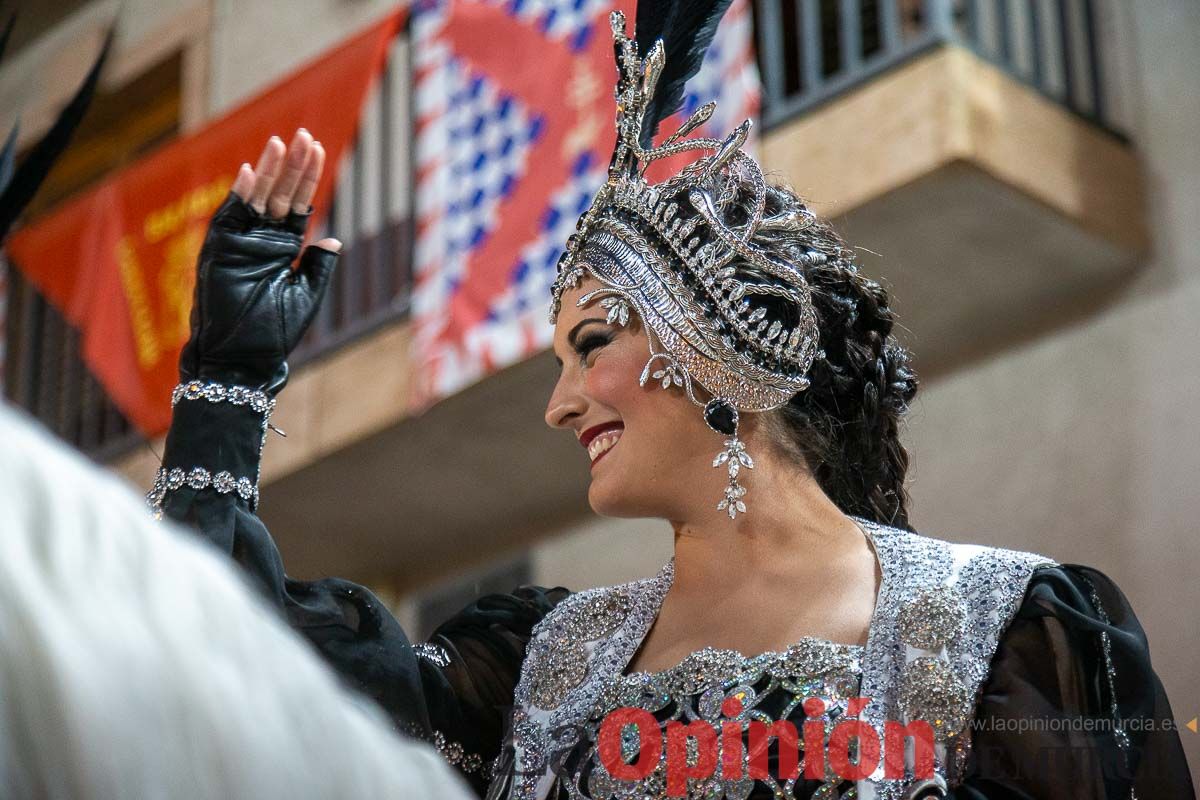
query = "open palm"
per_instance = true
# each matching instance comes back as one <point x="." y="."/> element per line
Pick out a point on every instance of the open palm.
<point x="251" y="305"/>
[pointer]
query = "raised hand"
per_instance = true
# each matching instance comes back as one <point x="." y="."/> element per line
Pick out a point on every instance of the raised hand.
<point x="251" y="307"/>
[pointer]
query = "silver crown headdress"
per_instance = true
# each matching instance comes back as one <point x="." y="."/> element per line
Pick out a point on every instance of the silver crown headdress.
<point x="726" y="315"/>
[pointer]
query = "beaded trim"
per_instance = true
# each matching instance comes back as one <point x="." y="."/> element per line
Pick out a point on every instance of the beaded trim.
<point x="1110" y="676"/>
<point x="433" y="653"/>
<point x="941" y="610"/>
<point x="168" y="480"/>
<point x="539" y="732"/>
<point x="257" y="399"/>
<point x="452" y="751"/>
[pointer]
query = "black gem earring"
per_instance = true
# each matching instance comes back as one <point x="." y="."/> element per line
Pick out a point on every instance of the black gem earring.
<point x="722" y="417"/>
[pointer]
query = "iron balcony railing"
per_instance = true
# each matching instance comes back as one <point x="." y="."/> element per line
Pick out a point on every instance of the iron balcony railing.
<point x="44" y="373"/>
<point x="809" y="51"/>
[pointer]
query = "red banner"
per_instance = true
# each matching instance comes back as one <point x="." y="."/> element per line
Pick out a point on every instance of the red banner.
<point x="119" y="260"/>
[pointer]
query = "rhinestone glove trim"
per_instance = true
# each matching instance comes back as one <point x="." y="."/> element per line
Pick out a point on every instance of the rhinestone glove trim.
<point x="257" y="399"/>
<point x="168" y="480"/>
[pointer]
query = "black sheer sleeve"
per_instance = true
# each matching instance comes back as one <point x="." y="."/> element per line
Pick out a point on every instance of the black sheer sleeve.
<point x="454" y="691"/>
<point x="1072" y="707"/>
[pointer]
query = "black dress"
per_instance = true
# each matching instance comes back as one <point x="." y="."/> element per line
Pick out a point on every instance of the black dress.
<point x="457" y="690"/>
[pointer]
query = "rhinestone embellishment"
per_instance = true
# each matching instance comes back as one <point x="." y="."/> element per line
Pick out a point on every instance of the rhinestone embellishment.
<point x="598" y="616"/>
<point x="989" y="582"/>
<point x="768" y="687"/>
<point x="931" y="691"/>
<point x="197" y="478"/>
<point x="932" y="619"/>
<point x="257" y="399"/>
<point x="556" y="669"/>
<point x="559" y="662"/>
<point x="433" y="653"/>
<point x="453" y="752"/>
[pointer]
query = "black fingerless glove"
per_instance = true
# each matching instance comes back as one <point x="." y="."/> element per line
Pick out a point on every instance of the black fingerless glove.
<point x="249" y="311"/>
<point x="250" y="307"/>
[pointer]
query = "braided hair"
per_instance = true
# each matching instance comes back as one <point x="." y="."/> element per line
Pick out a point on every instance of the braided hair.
<point x="845" y="425"/>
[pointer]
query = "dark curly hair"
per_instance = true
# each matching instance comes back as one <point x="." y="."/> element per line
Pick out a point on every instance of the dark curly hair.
<point x="845" y="425"/>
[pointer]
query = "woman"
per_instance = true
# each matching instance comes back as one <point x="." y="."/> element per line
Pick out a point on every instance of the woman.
<point x="797" y="597"/>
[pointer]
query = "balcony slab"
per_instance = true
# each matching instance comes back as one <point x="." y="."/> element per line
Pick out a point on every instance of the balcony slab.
<point x="989" y="210"/>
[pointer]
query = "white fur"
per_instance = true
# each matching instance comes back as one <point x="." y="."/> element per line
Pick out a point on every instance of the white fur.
<point x="135" y="664"/>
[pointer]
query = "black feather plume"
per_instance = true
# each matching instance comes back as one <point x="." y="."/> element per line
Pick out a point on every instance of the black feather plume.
<point x="8" y="29"/>
<point x="24" y="182"/>
<point x="687" y="28"/>
<point x="8" y="155"/>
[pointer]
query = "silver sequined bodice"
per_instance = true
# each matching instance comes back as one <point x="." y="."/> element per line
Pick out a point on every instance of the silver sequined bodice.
<point x="938" y="616"/>
<point x="768" y="687"/>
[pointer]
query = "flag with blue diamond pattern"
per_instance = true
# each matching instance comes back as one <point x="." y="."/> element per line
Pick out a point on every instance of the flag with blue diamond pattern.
<point x="514" y="131"/>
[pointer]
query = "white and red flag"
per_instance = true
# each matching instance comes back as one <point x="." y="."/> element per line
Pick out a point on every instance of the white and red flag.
<point x="514" y="134"/>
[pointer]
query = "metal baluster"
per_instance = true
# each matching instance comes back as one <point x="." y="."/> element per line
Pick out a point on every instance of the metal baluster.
<point x="1095" y="67"/>
<point x="940" y="19"/>
<point x="1004" y="33"/>
<point x="353" y="274"/>
<point x="50" y="331"/>
<point x="1038" y="75"/>
<point x="90" y="412"/>
<point x="406" y="250"/>
<point x="770" y="35"/>
<point x="362" y="282"/>
<point x="1068" y="54"/>
<point x="69" y="409"/>
<point x="384" y="286"/>
<point x="810" y="46"/>
<point x="11" y="332"/>
<point x="889" y="21"/>
<point x="32" y="311"/>
<point x="850" y="14"/>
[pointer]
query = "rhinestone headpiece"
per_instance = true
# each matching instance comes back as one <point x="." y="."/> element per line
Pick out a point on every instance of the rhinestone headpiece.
<point x="726" y="314"/>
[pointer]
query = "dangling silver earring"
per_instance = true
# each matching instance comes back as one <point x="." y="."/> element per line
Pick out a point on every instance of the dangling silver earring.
<point x="722" y="417"/>
<point x="719" y="414"/>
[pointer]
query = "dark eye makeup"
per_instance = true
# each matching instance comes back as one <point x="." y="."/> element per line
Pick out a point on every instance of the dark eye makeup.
<point x="591" y="341"/>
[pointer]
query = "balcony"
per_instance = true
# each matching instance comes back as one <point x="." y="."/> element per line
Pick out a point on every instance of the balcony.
<point x="970" y="144"/>
<point x="966" y="147"/>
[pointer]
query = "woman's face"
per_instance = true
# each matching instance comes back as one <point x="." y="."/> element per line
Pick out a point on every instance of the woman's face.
<point x="649" y="448"/>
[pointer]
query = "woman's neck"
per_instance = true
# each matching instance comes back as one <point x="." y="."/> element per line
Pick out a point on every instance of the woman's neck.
<point x="790" y="528"/>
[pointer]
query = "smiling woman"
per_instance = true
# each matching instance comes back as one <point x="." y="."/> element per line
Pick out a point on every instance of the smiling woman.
<point x="727" y="368"/>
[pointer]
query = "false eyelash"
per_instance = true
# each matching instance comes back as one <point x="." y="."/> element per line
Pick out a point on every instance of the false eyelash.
<point x="590" y="343"/>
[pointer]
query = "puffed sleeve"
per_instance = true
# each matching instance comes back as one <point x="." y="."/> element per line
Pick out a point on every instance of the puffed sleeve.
<point x="1072" y="707"/>
<point x="454" y="690"/>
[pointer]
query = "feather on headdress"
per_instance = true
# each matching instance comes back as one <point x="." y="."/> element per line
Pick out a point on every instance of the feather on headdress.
<point x="686" y="29"/>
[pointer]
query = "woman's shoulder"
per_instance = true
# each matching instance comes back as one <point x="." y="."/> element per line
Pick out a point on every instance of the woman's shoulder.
<point x="605" y="607"/>
<point x="949" y="555"/>
<point x="986" y="564"/>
